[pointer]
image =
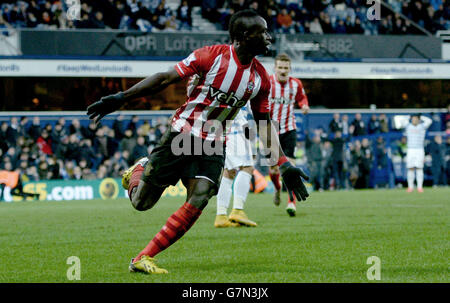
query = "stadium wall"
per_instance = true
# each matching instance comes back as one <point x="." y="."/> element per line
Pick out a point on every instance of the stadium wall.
<point x="96" y="67"/>
<point x="180" y="44"/>
<point x="69" y="190"/>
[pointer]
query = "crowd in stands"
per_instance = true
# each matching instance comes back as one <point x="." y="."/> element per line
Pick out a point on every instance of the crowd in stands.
<point x="347" y="154"/>
<point x="341" y="156"/>
<point x="72" y="151"/>
<point x="143" y="15"/>
<point x="283" y="16"/>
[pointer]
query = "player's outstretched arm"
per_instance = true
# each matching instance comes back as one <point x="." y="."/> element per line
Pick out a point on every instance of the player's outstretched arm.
<point x="292" y="176"/>
<point x="148" y="86"/>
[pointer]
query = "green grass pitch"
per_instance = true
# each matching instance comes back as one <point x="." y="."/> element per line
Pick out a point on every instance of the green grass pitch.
<point x="329" y="241"/>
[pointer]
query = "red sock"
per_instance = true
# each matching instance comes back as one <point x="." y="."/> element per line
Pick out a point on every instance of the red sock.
<point x="176" y="226"/>
<point x="293" y="198"/>
<point x="276" y="180"/>
<point x="135" y="178"/>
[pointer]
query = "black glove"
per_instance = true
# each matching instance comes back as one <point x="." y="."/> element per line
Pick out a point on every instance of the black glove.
<point x="292" y="178"/>
<point x="105" y="106"/>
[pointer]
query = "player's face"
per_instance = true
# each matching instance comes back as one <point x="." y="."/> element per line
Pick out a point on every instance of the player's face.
<point x="415" y="120"/>
<point x="282" y="70"/>
<point x="258" y="39"/>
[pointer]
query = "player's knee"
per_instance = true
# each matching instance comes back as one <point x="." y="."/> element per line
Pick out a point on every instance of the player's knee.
<point x="142" y="205"/>
<point x="248" y="169"/>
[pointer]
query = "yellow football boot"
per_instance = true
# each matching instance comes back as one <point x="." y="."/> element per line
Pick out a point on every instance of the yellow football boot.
<point x="146" y="265"/>
<point x="223" y="221"/>
<point x="127" y="174"/>
<point x="239" y="216"/>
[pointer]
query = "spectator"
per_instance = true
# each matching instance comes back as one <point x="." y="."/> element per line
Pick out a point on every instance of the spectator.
<point x="314" y="154"/>
<point x="315" y="27"/>
<point x="184" y="14"/>
<point x="374" y="125"/>
<point x="356" y="28"/>
<point x="97" y="21"/>
<point x="128" y="142"/>
<point x="118" y="127"/>
<point x="284" y="22"/>
<point x="87" y="152"/>
<point x="381" y="153"/>
<point x="384" y="123"/>
<point x="35" y="129"/>
<point x="327" y="164"/>
<point x="73" y="148"/>
<point x="340" y="27"/>
<point x="337" y="158"/>
<point x="364" y="165"/>
<point x="3" y="135"/>
<point x="45" y="143"/>
<point x="437" y="150"/>
<point x="335" y="124"/>
<point x="345" y="126"/>
<point x="139" y="150"/>
<point x="358" y="126"/>
<point x="75" y="128"/>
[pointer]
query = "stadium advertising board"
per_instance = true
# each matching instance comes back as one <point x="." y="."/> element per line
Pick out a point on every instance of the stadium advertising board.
<point x="118" y="43"/>
<point x="360" y="46"/>
<point x="68" y="190"/>
<point x="140" y="69"/>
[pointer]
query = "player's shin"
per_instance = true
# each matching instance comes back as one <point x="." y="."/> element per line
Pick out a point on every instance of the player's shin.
<point x="176" y="226"/>
<point x="224" y="196"/>
<point x="419" y="178"/>
<point x="410" y="178"/>
<point x="241" y="189"/>
<point x="275" y="177"/>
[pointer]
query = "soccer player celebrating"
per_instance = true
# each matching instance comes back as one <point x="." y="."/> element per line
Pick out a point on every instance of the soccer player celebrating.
<point x="284" y="93"/>
<point x="415" y="153"/>
<point x="238" y="167"/>
<point x="225" y="78"/>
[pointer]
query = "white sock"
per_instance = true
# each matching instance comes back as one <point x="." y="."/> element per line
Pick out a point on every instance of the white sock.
<point x="419" y="177"/>
<point x="410" y="177"/>
<point x="224" y="196"/>
<point x="241" y="189"/>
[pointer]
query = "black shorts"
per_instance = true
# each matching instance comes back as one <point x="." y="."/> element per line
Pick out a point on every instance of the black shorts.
<point x="166" y="167"/>
<point x="288" y="141"/>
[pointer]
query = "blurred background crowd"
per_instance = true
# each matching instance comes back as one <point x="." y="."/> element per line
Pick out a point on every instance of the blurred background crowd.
<point x="68" y="150"/>
<point x="345" y="154"/>
<point x="283" y="16"/>
<point x="362" y="154"/>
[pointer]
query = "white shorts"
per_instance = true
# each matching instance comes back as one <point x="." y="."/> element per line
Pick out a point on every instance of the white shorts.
<point x="238" y="152"/>
<point x="415" y="157"/>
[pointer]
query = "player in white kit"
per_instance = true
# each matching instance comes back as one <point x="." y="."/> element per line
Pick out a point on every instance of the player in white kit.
<point x="415" y="155"/>
<point x="238" y="168"/>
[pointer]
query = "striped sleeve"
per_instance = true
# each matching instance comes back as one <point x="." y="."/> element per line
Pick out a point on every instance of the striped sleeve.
<point x="260" y="103"/>
<point x="301" y="97"/>
<point x="197" y="62"/>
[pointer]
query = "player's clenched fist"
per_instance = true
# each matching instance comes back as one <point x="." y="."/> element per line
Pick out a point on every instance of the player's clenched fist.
<point x="104" y="106"/>
<point x="292" y="177"/>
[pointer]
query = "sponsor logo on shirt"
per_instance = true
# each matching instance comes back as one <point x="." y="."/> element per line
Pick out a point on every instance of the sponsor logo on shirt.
<point x="224" y="98"/>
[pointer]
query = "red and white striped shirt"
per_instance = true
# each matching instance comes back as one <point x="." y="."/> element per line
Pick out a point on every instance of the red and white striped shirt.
<point x="218" y="87"/>
<point x="282" y="98"/>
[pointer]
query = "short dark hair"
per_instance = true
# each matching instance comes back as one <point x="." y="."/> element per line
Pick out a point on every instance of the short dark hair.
<point x="237" y="27"/>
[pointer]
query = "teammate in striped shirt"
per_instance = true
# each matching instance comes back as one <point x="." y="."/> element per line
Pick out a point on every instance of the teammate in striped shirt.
<point x="284" y="93"/>
<point x="415" y="153"/>
<point x="223" y="78"/>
